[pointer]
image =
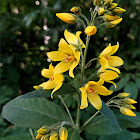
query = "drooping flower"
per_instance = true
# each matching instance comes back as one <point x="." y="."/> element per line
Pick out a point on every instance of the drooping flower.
<point x="91" y="91"/>
<point x="108" y="61"/>
<point x="67" y="17"/>
<point x="108" y="76"/>
<point x="55" y="80"/>
<point x="67" y="53"/>
<point x="63" y="133"/>
<point x="90" y="30"/>
<point x="127" y="111"/>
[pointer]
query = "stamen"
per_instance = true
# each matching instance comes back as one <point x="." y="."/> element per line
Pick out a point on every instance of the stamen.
<point x="108" y="58"/>
<point x="51" y="78"/>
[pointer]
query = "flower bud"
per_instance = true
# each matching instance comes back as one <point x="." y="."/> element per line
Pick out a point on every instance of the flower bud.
<point x="109" y="18"/>
<point x="67" y="17"/>
<point x="76" y="10"/>
<point x="127" y="111"/>
<point x="113" y="23"/>
<point x="129" y="106"/>
<point x="101" y="11"/>
<point x="118" y="10"/>
<point x="107" y="2"/>
<point x="96" y="2"/>
<point x="38" y="136"/>
<point x="129" y="101"/>
<point x="54" y="136"/>
<point x="112" y="6"/>
<point x="123" y="95"/>
<point x="43" y="130"/>
<point x="63" y="133"/>
<point x="46" y="137"/>
<point x="90" y="30"/>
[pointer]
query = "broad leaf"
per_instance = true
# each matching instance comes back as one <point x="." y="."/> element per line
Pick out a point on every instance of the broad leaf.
<point x="33" y="112"/>
<point x="108" y="113"/>
<point x="16" y="137"/>
<point x="74" y="134"/>
<point x="124" y="135"/>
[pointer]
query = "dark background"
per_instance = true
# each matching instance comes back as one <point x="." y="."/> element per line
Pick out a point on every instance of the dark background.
<point x="29" y="29"/>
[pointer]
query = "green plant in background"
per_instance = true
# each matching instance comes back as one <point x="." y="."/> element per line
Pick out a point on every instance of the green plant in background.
<point x="90" y="30"/>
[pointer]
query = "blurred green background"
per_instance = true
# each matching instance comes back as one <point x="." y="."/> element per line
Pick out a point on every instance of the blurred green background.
<point x="29" y="29"/>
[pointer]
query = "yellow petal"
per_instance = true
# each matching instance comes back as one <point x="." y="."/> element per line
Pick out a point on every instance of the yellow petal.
<point x="115" y="69"/>
<point x="41" y="85"/>
<point x="95" y="100"/>
<point x="90" y="30"/>
<point x="58" y="78"/>
<point x="71" y="38"/>
<point x="115" y="61"/>
<point x="103" y="62"/>
<point x="84" y="102"/>
<point x="49" y="85"/>
<point x="114" y="49"/>
<point x="63" y="46"/>
<point x="108" y="75"/>
<point x="129" y="101"/>
<point x="106" y="51"/>
<point x="78" y="36"/>
<point x="55" y="89"/>
<point x="127" y="111"/>
<point x="102" y="90"/>
<point x="74" y="64"/>
<point x="56" y="55"/>
<point x="62" y="67"/>
<point x="111" y="83"/>
<point x="46" y="73"/>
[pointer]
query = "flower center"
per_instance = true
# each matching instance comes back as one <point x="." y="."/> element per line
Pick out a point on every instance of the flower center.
<point x="108" y="58"/>
<point x="90" y="90"/>
<point x="51" y="78"/>
<point x="69" y="58"/>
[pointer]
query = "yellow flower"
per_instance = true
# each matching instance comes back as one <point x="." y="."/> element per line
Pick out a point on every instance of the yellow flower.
<point x="101" y="11"/>
<point x="109" y="18"/>
<point x="123" y="95"/>
<point x="129" y="106"/>
<point x="76" y="10"/>
<point x="45" y="137"/>
<point x="107" y="2"/>
<point x="55" y="80"/>
<point x="67" y="54"/>
<point x="97" y="2"/>
<point x="43" y="130"/>
<point x="54" y="136"/>
<point x="63" y="133"/>
<point x="38" y="136"/>
<point x="112" y="6"/>
<point x="109" y="75"/>
<point x="118" y="10"/>
<point x="113" y="23"/>
<point x="108" y="61"/>
<point x="67" y="17"/>
<point x="90" y="30"/>
<point x="127" y="111"/>
<point x="91" y="91"/>
<point x="129" y="101"/>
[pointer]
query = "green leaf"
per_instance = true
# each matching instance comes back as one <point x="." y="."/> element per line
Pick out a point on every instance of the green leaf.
<point x="124" y="135"/>
<point x="137" y="81"/>
<point x="131" y="88"/>
<point x="108" y="113"/>
<point x="135" y="135"/>
<point x="74" y="134"/>
<point x="33" y="112"/>
<point x="16" y="137"/>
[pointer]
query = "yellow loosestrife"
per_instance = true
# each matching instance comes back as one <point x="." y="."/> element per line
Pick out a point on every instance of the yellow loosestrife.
<point x="90" y="30"/>
<point x="55" y="80"/>
<point x="127" y="111"/>
<point x="54" y="136"/>
<point x="63" y="133"/>
<point x="92" y="90"/>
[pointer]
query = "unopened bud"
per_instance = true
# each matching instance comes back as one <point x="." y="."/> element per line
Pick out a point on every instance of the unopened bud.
<point x="113" y="23"/>
<point x="96" y="2"/>
<point x="127" y="111"/>
<point x="129" y="101"/>
<point x="46" y="137"/>
<point x="129" y="106"/>
<point x="67" y="17"/>
<point x="107" y="2"/>
<point x="54" y="136"/>
<point x="123" y="95"/>
<point x="76" y="10"/>
<point x="112" y="6"/>
<point x="43" y="130"/>
<point x="118" y="10"/>
<point x="90" y="30"/>
<point x="38" y="136"/>
<point x="63" y="133"/>
<point x="109" y="18"/>
<point x="101" y="11"/>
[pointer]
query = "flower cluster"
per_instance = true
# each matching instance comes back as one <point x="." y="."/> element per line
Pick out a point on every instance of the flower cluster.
<point x="52" y="133"/>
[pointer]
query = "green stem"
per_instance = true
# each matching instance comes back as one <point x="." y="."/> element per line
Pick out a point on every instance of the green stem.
<point x="78" y="112"/>
<point x="60" y="97"/>
<point x="111" y="99"/>
<point x="84" y="25"/>
<point x="81" y="129"/>
<point x="100" y="25"/>
<point x="31" y="132"/>
<point x="91" y="62"/>
<point x="83" y="16"/>
<point x="84" y="60"/>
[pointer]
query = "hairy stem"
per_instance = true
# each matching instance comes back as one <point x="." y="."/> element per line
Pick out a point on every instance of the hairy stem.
<point x="60" y="97"/>
<point x="31" y="132"/>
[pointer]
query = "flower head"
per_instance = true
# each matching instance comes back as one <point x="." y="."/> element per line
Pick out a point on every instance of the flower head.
<point x="67" y="17"/>
<point x="91" y="91"/>
<point x="90" y="30"/>
<point x="67" y="53"/>
<point x="63" y="133"/>
<point x="108" y="61"/>
<point x="55" y="80"/>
